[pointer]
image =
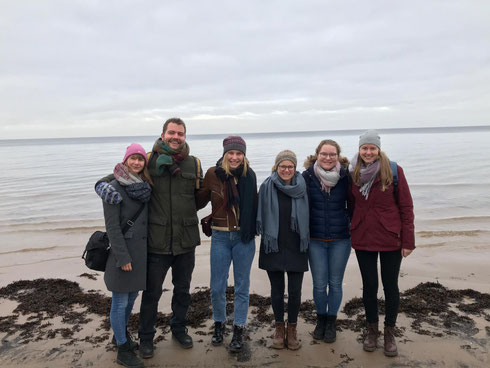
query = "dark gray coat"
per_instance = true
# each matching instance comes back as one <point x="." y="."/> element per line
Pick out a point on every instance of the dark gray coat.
<point x="130" y="247"/>
<point x="289" y="258"/>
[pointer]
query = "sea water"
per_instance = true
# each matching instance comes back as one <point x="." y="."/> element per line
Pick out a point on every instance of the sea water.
<point x="47" y="185"/>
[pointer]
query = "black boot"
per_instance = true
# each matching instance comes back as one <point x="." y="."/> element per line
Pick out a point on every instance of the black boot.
<point x="146" y="349"/>
<point x="330" y="329"/>
<point x="319" y="331"/>
<point x="219" y="330"/>
<point x="182" y="338"/>
<point x="127" y="357"/>
<point x="132" y="343"/>
<point x="236" y="343"/>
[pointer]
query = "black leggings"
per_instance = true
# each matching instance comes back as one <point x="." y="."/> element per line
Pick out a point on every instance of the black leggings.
<point x="295" y="281"/>
<point x="390" y="268"/>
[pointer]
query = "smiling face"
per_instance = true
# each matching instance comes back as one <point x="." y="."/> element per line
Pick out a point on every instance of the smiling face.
<point x="235" y="158"/>
<point x="369" y="153"/>
<point x="135" y="163"/>
<point x="328" y="157"/>
<point x="174" y="136"/>
<point x="286" y="170"/>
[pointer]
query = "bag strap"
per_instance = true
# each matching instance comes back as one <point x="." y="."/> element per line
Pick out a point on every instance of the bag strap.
<point x="130" y="222"/>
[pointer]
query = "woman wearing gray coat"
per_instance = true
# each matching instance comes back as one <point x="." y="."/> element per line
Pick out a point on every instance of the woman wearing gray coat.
<point x="125" y="272"/>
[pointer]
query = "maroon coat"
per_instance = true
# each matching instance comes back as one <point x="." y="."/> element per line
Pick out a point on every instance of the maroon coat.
<point x="383" y="222"/>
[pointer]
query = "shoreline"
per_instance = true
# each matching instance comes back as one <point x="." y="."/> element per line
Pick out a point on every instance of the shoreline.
<point x="457" y="262"/>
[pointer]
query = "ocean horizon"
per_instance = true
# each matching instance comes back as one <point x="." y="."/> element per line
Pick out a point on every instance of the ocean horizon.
<point x="336" y="132"/>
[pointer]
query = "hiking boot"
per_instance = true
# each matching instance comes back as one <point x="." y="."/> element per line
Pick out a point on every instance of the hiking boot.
<point x="371" y="340"/>
<point x="127" y="357"/>
<point x="132" y="343"/>
<point x="319" y="331"/>
<point x="146" y="349"/>
<point x="292" y="338"/>
<point x="183" y="338"/>
<point x="279" y="336"/>
<point x="219" y="330"/>
<point x="330" y="329"/>
<point x="236" y="343"/>
<point x="390" y="348"/>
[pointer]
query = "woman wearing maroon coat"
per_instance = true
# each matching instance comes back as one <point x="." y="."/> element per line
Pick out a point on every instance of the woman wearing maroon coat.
<point x="382" y="224"/>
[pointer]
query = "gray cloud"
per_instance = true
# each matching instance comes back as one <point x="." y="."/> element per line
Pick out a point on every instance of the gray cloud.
<point x="91" y="68"/>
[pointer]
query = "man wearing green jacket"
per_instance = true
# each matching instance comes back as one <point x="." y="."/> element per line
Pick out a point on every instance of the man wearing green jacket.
<point x="173" y="231"/>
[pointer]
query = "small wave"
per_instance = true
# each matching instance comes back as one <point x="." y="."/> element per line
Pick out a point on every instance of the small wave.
<point x="51" y="227"/>
<point x="456" y="219"/>
<point x="455" y="185"/>
<point x="37" y="262"/>
<point x="31" y="250"/>
<point x="432" y="245"/>
<point x="430" y="234"/>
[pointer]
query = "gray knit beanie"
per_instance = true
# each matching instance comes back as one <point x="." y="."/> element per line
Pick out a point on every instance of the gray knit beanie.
<point x="285" y="155"/>
<point x="234" y="142"/>
<point x="370" y="137"/>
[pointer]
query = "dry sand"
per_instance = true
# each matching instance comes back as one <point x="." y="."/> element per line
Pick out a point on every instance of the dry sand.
<point x="455" y="260"/>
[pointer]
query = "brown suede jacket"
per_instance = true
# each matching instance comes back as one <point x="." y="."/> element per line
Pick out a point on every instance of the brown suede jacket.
<point x="213" y="189"/>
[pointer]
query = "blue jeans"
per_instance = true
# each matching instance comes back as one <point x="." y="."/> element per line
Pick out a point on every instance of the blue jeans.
<point x="328" y="261"/>
<point x="226" y="247"/>
<point x="121" y="307"/>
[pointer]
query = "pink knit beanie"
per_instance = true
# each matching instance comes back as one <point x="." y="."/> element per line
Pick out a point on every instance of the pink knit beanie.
<point x="134" y="149"/>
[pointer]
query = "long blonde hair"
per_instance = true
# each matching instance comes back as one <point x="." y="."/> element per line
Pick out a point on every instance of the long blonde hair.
<point x="226" y="165"/>
<point x="385" y="173"/>
<point x="311" y="159"/>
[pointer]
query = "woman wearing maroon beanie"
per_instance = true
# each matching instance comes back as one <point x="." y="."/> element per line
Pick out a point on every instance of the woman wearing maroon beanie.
<point x="231" y="186"/>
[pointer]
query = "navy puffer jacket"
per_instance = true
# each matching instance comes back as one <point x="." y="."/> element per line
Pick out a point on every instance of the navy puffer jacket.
<point x="329" y="215"/>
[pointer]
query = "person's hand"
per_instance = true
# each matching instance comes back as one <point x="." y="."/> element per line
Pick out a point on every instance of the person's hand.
<point x="108" y="193"/>
<point x="406" y="252"/>
<point x="127" y="267"/>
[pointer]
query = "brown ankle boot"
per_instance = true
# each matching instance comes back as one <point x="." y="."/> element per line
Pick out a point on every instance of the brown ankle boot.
<point x="390" y="348"/>
<point x="292" y="338"/>
<point x="279" y="336"/>
<point x="371" y="339"/>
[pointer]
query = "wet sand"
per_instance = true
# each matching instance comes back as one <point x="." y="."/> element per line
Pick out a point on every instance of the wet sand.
<point x="444" y="319"/>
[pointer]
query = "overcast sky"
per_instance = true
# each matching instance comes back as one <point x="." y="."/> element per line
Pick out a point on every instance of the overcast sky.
<point x="109" y="68"/>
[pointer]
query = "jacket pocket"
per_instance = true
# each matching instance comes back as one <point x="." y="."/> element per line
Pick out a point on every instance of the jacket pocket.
<point x="190" y="232"/>
<point x="188" y="183"/>
<point x="159" y="234"/>
<point x="391" y="225"/>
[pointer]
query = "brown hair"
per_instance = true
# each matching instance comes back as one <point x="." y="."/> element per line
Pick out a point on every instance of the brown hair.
<point x="177" y="121"/>
<point x="226" y="165"/>
<point x="385" y="173"/>
<point x="310" y="160"/>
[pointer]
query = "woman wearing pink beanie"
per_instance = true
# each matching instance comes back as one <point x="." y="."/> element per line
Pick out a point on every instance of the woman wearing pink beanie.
<point x="125" y="272"/>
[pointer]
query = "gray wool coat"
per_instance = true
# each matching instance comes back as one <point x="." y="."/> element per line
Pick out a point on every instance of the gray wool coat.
<point x="130" y="247"/>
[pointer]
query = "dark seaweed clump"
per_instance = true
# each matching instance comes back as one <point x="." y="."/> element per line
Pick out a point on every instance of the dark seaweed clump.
<point x="434" y="309"/>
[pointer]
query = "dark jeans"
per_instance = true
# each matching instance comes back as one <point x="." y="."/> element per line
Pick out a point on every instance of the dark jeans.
<point x="295" y="281"/>
<point x="390" y="269"/>
<point x="158" y="265"/>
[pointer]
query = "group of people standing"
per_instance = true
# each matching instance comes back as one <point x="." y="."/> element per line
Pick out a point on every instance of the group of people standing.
<point x="311" y="218"/>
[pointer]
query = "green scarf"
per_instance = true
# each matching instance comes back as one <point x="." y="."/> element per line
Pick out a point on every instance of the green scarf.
<point x="168" y="159"/>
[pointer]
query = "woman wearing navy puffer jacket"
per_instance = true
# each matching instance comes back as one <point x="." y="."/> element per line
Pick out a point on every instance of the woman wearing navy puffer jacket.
<point x="327" y="180"/>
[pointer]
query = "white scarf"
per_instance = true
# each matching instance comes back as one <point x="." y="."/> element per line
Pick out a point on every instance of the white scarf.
<point x="328" y="178"/>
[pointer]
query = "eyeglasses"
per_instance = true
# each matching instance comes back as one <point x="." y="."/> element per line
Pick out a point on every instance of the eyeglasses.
<point x="331" y="155"/>
<point x="286" y="167"/>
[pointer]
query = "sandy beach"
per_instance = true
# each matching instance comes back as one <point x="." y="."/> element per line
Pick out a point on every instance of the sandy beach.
<point x="454" y="333"/>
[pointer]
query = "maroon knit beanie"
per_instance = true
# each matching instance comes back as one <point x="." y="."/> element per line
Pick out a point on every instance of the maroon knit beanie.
<point x="234" y="142"/>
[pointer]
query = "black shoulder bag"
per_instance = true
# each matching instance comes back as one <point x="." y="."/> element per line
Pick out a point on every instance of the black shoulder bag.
<point x="98" y="246"/>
